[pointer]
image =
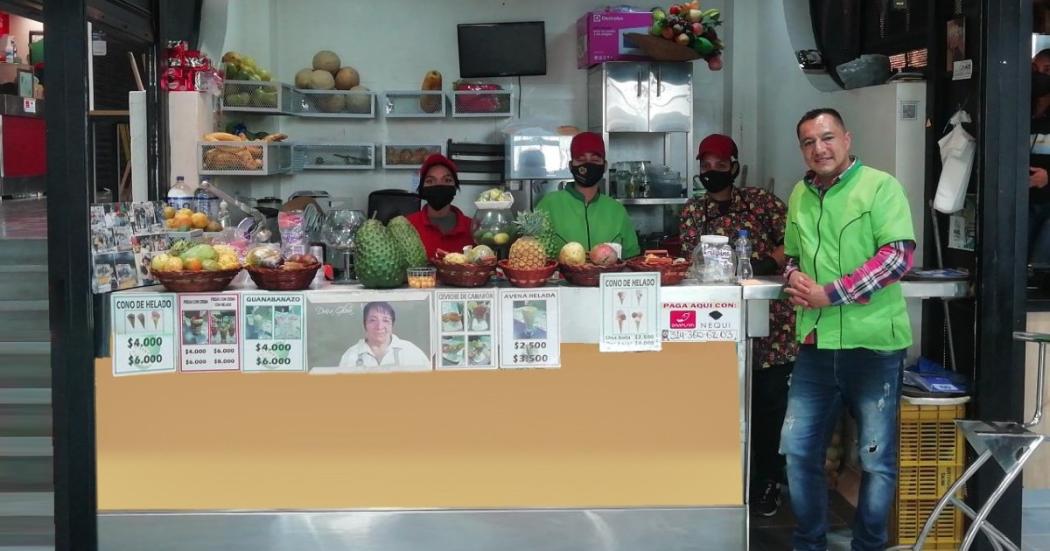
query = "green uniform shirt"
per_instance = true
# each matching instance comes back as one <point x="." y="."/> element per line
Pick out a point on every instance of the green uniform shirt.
<point x="835" y="234"/>
<point x="603" y="220"/>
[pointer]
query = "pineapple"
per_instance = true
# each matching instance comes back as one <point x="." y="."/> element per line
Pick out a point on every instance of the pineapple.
<point x="527" y="253"/>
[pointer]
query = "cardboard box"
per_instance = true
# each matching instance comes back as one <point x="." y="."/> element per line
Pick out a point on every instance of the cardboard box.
<point x="600" y="36"/>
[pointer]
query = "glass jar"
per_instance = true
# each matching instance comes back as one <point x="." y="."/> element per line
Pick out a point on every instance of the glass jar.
<point x="496" y="229"/>
<point x="713" y="260"/>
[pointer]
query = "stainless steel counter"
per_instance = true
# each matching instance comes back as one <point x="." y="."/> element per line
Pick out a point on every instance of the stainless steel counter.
<point x="769" y="288"/>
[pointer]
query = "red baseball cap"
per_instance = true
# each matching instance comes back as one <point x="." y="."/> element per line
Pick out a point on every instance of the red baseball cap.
<point x="719" y="145"/>
<point x="435" y="159"/>
<point x="587" y="142"/>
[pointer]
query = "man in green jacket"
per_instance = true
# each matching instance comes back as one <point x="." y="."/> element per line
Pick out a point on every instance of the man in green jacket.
<point x="581" y="213"/>
<point x="849" y="240"/>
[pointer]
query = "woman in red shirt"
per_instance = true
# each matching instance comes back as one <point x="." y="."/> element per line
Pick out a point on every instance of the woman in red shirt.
<point x="440" y="225"/>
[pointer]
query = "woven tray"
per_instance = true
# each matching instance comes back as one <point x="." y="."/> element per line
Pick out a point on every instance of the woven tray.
<point x="196" y="282"/>
<point x="661" y="49"/>
<point x="278" y="279"/>
<point x="670" y="274"/>
<point x="464" y="275"/>
<point x="588" y="275"/>
<point x="528" y="278"/>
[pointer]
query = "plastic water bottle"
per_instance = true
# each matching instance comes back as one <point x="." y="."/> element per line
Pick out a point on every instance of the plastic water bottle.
<point x="743" y="256"/>
<point x="9" y="51"/>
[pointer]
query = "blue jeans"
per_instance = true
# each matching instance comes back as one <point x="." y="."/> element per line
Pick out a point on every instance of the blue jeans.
<point x="868" y="384"/>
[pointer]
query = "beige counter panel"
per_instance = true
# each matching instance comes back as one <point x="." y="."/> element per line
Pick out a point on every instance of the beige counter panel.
<point x="606" y="430"/>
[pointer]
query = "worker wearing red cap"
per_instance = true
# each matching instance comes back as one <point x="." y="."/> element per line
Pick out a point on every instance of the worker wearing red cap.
<point x="725" y="210"/>
<point x="440" y="225"/>
<point x="581" y="213"/>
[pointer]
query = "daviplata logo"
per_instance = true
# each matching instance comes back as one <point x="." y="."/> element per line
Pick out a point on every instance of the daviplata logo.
<point x="683" y="319"/>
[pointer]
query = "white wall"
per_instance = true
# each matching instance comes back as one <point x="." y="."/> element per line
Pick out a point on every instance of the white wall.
<point x="20" y="27"/>
<point x="393" y="46"/>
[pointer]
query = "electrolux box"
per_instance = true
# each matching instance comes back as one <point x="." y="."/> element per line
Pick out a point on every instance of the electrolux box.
<point x="600" y="36"/>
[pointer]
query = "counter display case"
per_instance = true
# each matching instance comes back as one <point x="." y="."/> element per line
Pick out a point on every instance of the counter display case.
<point x="531" y="458"/>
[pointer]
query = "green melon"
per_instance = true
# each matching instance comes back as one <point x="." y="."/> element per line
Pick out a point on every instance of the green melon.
<point x="378" y="261"/>
<point x="408" y="242"/>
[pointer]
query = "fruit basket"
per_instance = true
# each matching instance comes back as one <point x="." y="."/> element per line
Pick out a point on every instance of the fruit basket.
<point x="528" y="278"/>
<point x="670" y="274"/>
<point x="195" y="282"/>
<point x="464" y="275"/>
<point x="281" y="279"/>
<point x="251" y="158"/>
<point x="345" y="104"/>
<point x="253" y="96"/>
<point x="588" y="275"/>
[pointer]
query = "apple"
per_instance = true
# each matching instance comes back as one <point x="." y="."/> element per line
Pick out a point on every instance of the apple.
<point x="682" y="39"/>
<point x="675" y="9"/>
<point x="695" y="15"/>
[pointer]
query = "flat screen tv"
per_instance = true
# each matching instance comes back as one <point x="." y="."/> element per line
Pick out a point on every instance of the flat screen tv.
<point x="502" y="49"/>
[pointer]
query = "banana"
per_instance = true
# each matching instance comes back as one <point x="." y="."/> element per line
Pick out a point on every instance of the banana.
<point x="277" y="137"/>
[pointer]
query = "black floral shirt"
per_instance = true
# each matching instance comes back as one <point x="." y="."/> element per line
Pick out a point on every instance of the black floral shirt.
<point x="764" y="216"/>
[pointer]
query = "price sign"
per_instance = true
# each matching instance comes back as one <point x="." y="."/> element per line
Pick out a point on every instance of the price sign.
<point x="530" y="328"/>
<point x="143" y="333"/>
<point x="630" y="312"/>
<point x="272" y="331"/>
<point x="709" y="313"/>
<point x="467" y="329"/>
<point x="208" y="332"/>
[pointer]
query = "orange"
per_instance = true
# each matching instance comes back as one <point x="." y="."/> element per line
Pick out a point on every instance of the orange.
<point x="171" y="224"/>
<point x="169" y="213"/>
<point x="199" y="220"/>
<point x="194" y="265"/>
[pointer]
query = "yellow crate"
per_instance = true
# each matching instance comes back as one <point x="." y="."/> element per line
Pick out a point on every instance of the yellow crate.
<point x="932" y="456"/>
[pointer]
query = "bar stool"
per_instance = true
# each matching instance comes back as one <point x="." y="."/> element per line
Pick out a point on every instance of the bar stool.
<point x="1010" y="444"/>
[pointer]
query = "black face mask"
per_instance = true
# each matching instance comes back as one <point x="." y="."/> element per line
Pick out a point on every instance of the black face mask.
<point x="1040" y="85"/>
<point x="438" y="197"/>
<point x="587" y="174"/>
<point x="716" y="180"/>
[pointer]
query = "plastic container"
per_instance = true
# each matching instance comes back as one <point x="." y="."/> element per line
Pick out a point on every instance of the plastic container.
<point x="713" y="260"/>
<point x="422" y="278"/>
<point x="496" y="229"/>
<point x="932" y="456"/>
<point x="180" y="195"/>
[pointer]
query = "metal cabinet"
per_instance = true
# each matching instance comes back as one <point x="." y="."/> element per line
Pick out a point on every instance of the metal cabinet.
<point x="640" y="97"/>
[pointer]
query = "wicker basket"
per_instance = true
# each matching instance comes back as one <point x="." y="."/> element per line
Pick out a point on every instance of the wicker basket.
<point x="196" y="282"/>
<point x="588" y="275"/>
<point x="661" y="49"/>
<point x="670" y="274"/>
<point x="528" y="278"/>
<point x="279" y="279"/>
<point x="464" y="275"/>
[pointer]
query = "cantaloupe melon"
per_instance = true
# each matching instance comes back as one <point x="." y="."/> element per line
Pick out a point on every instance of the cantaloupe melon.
<point x="302" y="78"/>
<point x="347" y="78"/>
<point x="326" y="60"/>
<point x="321" y="80"/>
<point x="359" y="103"/>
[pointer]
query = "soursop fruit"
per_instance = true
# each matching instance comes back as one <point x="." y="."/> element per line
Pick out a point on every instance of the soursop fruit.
<point x="408" y="242"/>
<point x="377" y="259"/>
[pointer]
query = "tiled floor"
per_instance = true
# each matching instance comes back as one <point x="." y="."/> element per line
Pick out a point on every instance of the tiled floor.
<point x="774" y="533"/>
<point x="23" y="219"/>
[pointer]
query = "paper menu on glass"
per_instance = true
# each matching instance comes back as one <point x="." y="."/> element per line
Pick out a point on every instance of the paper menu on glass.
<point x="208" y="332"/>
<point x="144" y="333"/>
<point x="714" y="315"/>
<point x="530" y="328"/>
<point x="630" y="312"/>
<point x="272" y="331"/>
<point x="467" y="329"/>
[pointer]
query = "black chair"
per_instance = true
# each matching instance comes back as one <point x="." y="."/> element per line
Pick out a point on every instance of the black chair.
<point x="480" y="164"/>
<point x="386" y="204"/>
